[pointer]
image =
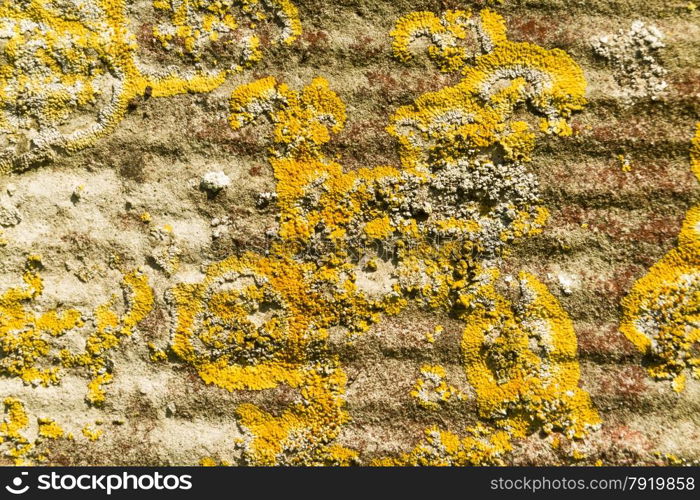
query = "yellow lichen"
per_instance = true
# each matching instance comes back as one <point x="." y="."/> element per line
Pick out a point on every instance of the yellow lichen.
<point x="91" y="434"/>
<point x="662" y="310"/>
<point x="48" y="428"/>
<point x="441" y="448"/>
<point x="111" y="328"/>
<point x="624" y="163"/>
<point x="304" y="433"/>
<point x="522" y="361"/>
<point x="221" y="31"/>
<point x="477" y="112"/>
<point x="431" y="337"/>
<point x="431" y="388"/>
<point x="25" y="337"/>
<point x="74" y="82"/>
<point x="460" y="198"/>
<point x="330" y="219"/>
<point x="13" y="430"/>
<point x="16" y="420"/>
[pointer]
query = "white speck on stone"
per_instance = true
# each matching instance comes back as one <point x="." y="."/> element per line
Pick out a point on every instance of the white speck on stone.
<point x="78" y="192"/>
<point x="215" y="181"/>
<point x="9" y="216"/>
<point x="11" y="189"/>
<point x="567" y="283"/>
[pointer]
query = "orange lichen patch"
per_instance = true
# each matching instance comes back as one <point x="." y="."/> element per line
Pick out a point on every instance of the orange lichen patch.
<point x="79" y="62"/>
<point x="255" y="323"/>
<point x="157" y="355"/>
<point x="212" y="462"/>
<point x="92" y="434"/>
<point x="521" y="359"/>
<point x="477" y="113"/>
<point x="303" y="124"/>
<point x="48" y="428"/>
<point x="454" y="39"/>
<point x="216" y="32"/>
<point x="16" y="420"/>
<point x="25" y="336"/>
<point x="304" y="120"/>
<point x="431" y="389"/>
<point x="441" y="448"/>
<point x="111" y="328"/>
<point x="448" y="37"/>
<point x="320" y="204"/>
<point x="624" y="163"/>
<point x="379" y="228"/>
<point x="450" y="208"/>
<point x="95" y="393"/>
<point x="661" y="313"/>
<point x="304" y="434"/>
<point x="13" y="428"/>
<point x="431" y="337"/>
<point x="73" y="83"/>
<point x="248" y="324"/>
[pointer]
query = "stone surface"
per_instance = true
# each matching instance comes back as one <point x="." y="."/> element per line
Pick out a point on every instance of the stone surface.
<point x="102" y="223"/>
